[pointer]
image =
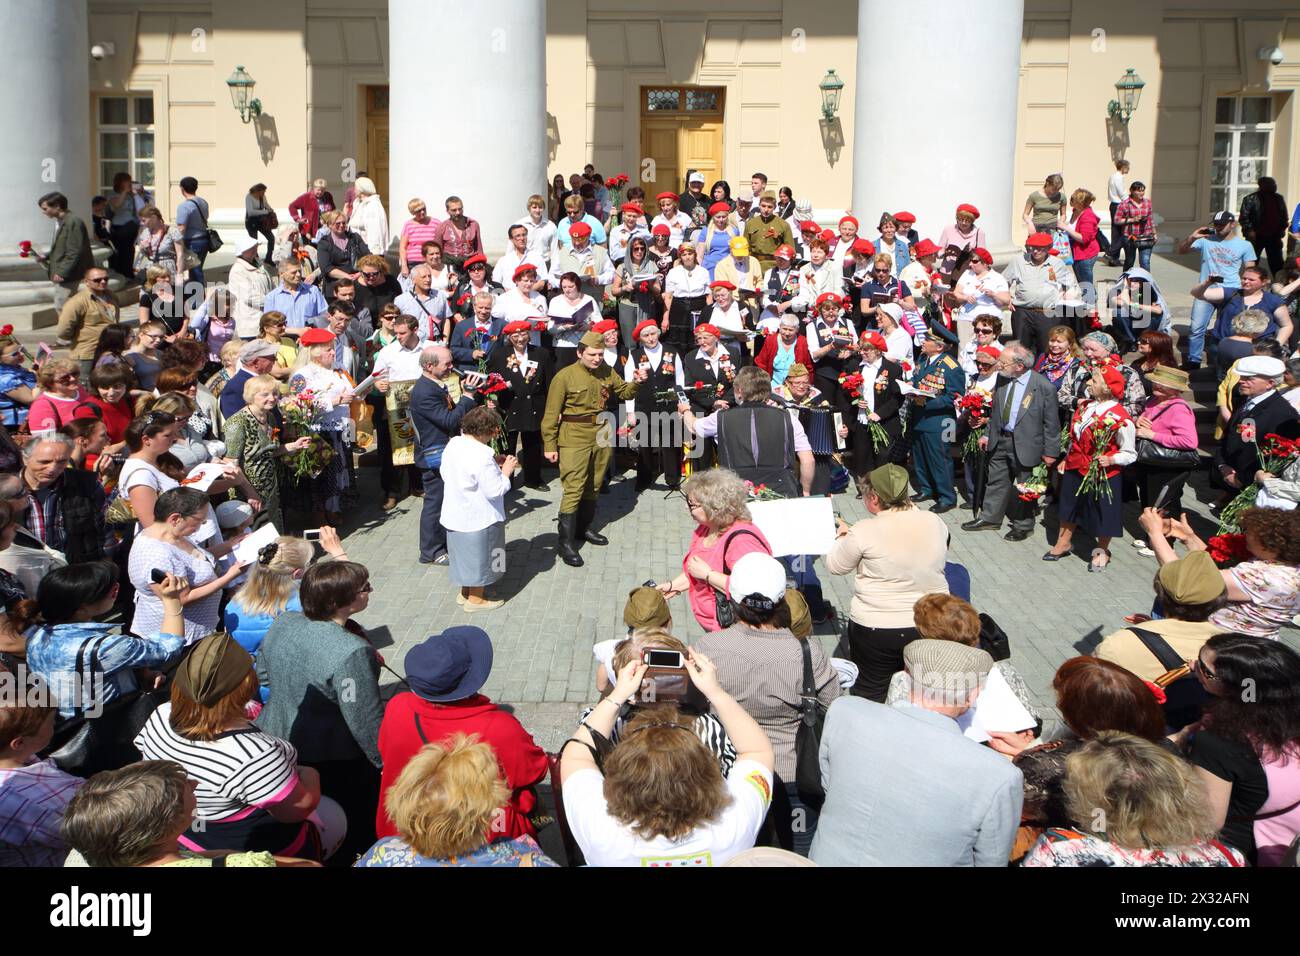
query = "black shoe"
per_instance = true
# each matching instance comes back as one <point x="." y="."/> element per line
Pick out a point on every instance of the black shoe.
<point x="978" y="525"/>
<point x="1016" y="535"/>
<point x="567" y="528"/>
<point x="537" y="485"/>
<point x="942" y="509"/>
<point x="586" y="514"/>
<point x="1049" y="556"/>
<point x="920" y="497"/>
<point x="1190" y="367"/>
<point x="441" y="560"/>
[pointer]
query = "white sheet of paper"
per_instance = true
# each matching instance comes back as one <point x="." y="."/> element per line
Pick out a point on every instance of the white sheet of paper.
<point x="838" y="418"/>
<point x="796" y="525"/>
<point x="907" y="388"/>
<point x="364" y="386"/>
<point x="996" y="708"/>
<point x="246" y="551"/>
<point x="201" y="476"/>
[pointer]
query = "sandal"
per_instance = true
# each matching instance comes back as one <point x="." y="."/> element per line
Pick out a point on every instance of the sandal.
<point x="1093" y="565"/>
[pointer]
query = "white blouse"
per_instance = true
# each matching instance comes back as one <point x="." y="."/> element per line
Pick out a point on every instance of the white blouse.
<point x="814" y="282"/>
<point x="898" y="348"/>
<point x="566" y="336"/>
<point x="682" y="284"/>
<point x="328" y="386"/>
<point x="474" y="488"/>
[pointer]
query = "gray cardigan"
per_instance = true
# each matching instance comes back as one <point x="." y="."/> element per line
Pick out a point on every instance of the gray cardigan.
<point x="324" y="684"/>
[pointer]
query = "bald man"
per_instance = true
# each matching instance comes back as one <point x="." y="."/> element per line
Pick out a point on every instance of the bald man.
<point x="438" y="403"/>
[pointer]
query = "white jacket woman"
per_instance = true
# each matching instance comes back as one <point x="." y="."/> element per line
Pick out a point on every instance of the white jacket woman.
<point x="369" y="220"/>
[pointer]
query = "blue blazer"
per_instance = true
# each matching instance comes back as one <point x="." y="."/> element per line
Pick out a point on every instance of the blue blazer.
<point x="435" y="417"/>
<point x="461" y="343"/>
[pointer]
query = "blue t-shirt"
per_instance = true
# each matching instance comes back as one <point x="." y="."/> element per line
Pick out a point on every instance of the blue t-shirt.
<point x="1224" y="258"/>
<point x="14" y="413"/>
<point x="1234" y="305"/>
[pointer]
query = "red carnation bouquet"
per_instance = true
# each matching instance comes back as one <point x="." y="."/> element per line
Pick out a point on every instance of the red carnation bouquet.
<point x="1035" y="486"/>
<point x="615" y="186"/>
<point x="25" y="249"/>
<point x="1104" y="429"/>
<point x="1275" y="455"/>
<point x="852" y="384"/>
<point x="1228" y="549"/>
<point x="976" y="406"/>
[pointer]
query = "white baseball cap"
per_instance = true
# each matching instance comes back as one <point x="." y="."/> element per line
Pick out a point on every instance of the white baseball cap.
<point x="231" y="514"/>
<point x="695" y="177"/>
<point x="757" y="574"/>
<point x="244" y="243"/>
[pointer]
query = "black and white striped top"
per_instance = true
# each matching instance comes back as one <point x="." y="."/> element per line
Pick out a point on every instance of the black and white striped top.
<point x="238" y="771"/>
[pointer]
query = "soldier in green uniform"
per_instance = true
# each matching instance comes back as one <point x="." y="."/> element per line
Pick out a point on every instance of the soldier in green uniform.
<point x="933" y="419"/>
<point x="574" y="435"/>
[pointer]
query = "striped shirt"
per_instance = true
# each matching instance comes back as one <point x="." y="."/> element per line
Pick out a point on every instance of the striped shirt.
<point x="32" y="800"/>
<point x="239" y="771"/>
<point x="417" y="234"/>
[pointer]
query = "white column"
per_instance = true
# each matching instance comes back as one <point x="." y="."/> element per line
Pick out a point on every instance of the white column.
<point x="480" y="131"/>
<point x="942" y="131"/>
<point x="45" y="50"/>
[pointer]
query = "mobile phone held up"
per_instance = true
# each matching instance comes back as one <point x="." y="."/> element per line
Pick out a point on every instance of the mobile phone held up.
<point x="662" y="658"/>
<point x="311" y="534"/>
<point x="158" y="576"/>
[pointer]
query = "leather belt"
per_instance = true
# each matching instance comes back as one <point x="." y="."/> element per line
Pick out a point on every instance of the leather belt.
<point x="579" y="419"/>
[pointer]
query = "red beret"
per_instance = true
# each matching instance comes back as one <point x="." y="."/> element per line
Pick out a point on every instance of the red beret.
<point x="1039" y="240"/>
<point x="828" y="297"/>
<point x="605" y="325"/>
<point x="661" y="230"/>
<point x="784" y="252"/>
<point x="924" y="248"/>
<point x="828" y="235"/>
<point x="849" y="219"/>
<point x="967" y="207"/>
<point x="666" y="195"/>
<point x="722" y="284"/>
<point x="981" y="253"/>
<point x="84" y="410"/>
<point x="519" y="325"/>
<point x="580" y="229"/>
<point x="993" y="351"/>
<point x="874" y="339"/>
<point x="314" y="336"/>
<point x="864" y="247"/>
<point x="718" y="207"/>
<point x="904" y="216"/>
<point x="647" y="324"/>
<point x="709" y="329"/>
<point x="632" y="207"/>
<point x="522" y="268"/>
<point x="1114" y="380"/>
<point x="476" y="259"/>
<point x="807" y="225"/>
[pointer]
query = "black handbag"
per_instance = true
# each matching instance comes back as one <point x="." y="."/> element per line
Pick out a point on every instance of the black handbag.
<point x="84" y="745"/>
<point x="724" y="611"/>
<point x="808" y="737"/>
<point x="993" y="639"/>
<point x="1151" y="452"/>
<point x="1185" y="698"/>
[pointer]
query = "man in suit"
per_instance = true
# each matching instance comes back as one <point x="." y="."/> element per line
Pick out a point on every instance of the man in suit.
<point x="70" y="256"/>
<point x="527" y="371"/>
<point x="1263" y="412"/>
<point x="437" y="405"/>
<point x="1023" y="432"/>
<point x="473" y="340"/>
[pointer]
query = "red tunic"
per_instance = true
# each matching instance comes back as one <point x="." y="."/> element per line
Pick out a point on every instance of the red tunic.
<point x="522" y="761"/>
<point x="1083" y="448"/>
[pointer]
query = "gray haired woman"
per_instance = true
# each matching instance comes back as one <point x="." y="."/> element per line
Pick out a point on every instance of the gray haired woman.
<point x="1247" y="326"/>
<point x="1099" y="349"/>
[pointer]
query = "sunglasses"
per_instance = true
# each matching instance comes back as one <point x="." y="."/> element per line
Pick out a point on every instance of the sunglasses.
<point x="368" y="588"/>
<point x="371" y="275"/>
<point x="97" y="281"/>
<point x="67" y="378"/>
<point x="984" y="331"/>
<point x="1199" y="666"/>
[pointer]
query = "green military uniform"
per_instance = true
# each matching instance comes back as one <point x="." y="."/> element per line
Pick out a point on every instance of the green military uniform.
<point x="766" y="237"/>
<point x="571" y="426"/>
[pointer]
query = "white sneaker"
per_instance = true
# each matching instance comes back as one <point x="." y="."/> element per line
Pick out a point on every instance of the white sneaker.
<point x="1146" y="552"/>
<point x="1139" y="543"/>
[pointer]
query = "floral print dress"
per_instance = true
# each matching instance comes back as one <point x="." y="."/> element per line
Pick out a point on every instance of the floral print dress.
<point x="254" y="444"/>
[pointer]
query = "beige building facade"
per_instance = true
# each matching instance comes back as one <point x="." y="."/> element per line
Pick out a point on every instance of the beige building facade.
<point x="652" y="87"/>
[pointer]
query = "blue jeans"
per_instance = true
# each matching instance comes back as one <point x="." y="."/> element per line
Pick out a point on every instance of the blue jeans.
<point x="433" y="536"/>
<point x="1131" y="252"/>
<point x="199" y="246"/>
<point x="800" y="567"/>
<point x="1123" y="323"/>
<point x="1083" y="272"/>
<point x="1202" y="314"/>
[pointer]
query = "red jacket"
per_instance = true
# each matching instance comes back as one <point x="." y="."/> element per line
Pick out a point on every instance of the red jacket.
<point x="767" y="356"/>
<point x="522" y="761"/>
<point x="1083" y="448"/>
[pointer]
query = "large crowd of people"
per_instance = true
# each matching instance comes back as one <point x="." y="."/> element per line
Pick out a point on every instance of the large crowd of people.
<point x="196" y="690"/>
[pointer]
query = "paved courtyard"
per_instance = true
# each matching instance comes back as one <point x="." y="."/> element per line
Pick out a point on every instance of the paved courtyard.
<point x="543" y="636"/>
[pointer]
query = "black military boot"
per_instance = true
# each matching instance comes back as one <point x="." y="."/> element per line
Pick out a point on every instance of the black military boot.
<point x="586" y="514"/>
<point x="567" y="534"/>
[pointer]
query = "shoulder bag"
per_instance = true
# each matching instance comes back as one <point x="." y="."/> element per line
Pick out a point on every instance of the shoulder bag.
<point x="993" y="639"/>
<point x="85" y="745"/>
<point x="808" y="737"/>
<point x="215" y="241"/>
<point x="725" y="611"/>
<point x="1151" y="452"/>
<point x="1185" y="698"/>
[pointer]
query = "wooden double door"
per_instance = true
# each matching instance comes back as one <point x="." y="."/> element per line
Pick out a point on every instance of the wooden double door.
<point x="681" y="130"/>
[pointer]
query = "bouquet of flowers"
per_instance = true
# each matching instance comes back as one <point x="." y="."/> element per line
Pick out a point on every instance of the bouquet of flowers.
<point x="1095" y="483"/>
<point x="1275" y="454"/>
<point x="482" y="342"/>
<point x="703" y="391"/>
<point x="1035" y="486"/>
<point x="761" y="492"/>
<point x="1228" y="549"/>
<point x="976" y="405"/>
<point x="879" y="437"/>
<point x="302" y="415"/>
<point x="852" y="384"/>
<point x="615" y="186"/>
